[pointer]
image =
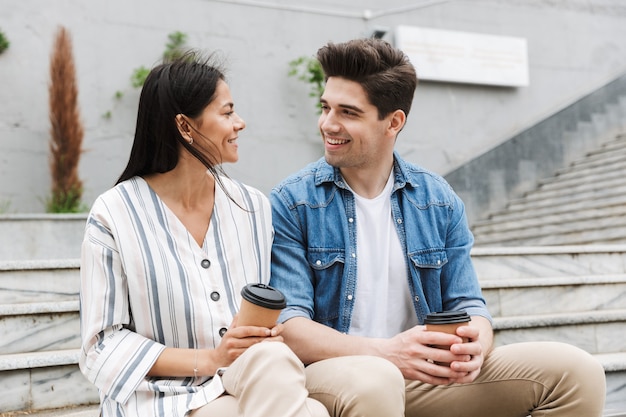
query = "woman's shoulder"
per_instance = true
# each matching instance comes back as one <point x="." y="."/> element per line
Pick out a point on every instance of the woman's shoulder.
<point x="233" y="185"/>
<point x="119" y="197"/>
<point x="244" y="194"/>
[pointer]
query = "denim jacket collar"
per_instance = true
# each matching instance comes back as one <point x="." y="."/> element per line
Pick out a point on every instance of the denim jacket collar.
<point x="328" y="173"/>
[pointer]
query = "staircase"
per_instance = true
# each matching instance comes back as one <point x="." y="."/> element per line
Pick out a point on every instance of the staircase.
<point x="571" y="294"/>
<point x="582" y="204"/>
<point x="575" y="294"/>
<point x="39" y="317"/>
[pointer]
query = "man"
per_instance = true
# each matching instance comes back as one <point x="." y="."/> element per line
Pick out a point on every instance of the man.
<point x="366" y="245"/>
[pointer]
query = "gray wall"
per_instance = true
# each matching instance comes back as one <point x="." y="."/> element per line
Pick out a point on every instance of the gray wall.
<point x="575" y="46"/>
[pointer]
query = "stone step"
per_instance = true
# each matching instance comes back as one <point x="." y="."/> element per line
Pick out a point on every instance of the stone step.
<point x="615" y="368"/>
<point x="41" y="236"/>
<point x="610" y="152"/>
<point x="39" y="280"/>
<point x="570" y="201"/>
<point x="43" y="380"/>
<point x="599" y="333"/>
<point x="587" y="235"/>
<point x="515" y="223"/>
<point x="85" y="411"/>
<point x="32" y="327"/>
<point x="594" y="331"/>
<point x="585" y="170"/>
<point x="514" y="297"/>
<point x="609" y="199"/>
<point x="577" y="186"/>
<point x="608" y="228"/>
<point x="504" y="263"/>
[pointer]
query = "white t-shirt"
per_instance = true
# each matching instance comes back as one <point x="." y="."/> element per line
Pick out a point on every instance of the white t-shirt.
<point x="383" y="305"/>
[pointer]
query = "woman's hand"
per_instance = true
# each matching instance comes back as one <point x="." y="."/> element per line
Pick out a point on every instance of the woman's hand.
<point x="237" y="339"/>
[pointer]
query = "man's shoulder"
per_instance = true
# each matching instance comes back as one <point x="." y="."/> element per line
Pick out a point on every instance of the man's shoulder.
<point x="310" y="175"/>
<point x="418" y="176"/>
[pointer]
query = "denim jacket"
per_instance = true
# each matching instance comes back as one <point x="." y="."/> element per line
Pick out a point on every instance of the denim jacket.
<point x="314" y="251"/>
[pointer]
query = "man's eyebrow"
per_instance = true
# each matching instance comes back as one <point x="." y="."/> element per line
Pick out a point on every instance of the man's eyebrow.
<point x="345" y="106"/>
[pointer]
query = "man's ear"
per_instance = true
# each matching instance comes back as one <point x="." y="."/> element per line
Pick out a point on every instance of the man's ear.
<point x="183" y="126"/>
<point x="397" y="119"/>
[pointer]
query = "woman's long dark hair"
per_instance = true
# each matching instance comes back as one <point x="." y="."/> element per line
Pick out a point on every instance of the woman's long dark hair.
<point x="184" y="86"/>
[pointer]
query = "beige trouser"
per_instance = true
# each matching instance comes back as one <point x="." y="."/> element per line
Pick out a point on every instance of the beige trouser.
<point x="541" y="379"/>
<point x="267" y="380"/>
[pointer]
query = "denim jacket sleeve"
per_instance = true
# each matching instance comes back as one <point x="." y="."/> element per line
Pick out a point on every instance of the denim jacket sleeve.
<point x="438" y="242"/>
<point x="290" y="271"/>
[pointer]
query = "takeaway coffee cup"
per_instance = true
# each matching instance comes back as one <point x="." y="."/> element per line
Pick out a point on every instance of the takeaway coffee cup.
<point x="260" y="305"/>
<point x="446" y="322"/>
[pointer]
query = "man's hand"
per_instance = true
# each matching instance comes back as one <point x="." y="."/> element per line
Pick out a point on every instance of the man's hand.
<point x="413" y="354"/>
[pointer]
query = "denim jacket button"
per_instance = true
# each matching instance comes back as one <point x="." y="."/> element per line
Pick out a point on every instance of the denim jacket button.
<point x="318" y="262"/>
<point x="399" y="221"/>
<point x="354" y="255"/>
<point x="351" y="220"/>
<point x="349" y="296"/>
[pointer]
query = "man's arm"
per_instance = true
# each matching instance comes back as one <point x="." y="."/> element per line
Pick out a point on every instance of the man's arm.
<point x="410" y="351"/>
<point x="313" y="341"/>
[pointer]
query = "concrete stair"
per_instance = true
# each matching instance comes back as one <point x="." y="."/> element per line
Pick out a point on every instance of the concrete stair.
<point x="39" y="321"/>
<point x="574" y="294"/>
<point x="582" y="204"/>
<point x="571" y="294"/>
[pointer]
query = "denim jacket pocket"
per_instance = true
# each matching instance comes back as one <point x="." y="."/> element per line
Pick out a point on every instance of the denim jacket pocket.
<point x="431" y="259"/>
<point x="322" y="259"/>
<point x="427" y="269"/>
<point x="327" y="265"/>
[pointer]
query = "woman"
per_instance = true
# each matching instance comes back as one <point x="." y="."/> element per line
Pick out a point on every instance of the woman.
<point x="165" y="255"/>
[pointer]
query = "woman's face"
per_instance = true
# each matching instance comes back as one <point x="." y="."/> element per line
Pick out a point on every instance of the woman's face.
<point x="220" y="125"/>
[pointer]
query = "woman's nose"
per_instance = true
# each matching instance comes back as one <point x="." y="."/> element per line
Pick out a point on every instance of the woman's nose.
<point x="239" y="122"/>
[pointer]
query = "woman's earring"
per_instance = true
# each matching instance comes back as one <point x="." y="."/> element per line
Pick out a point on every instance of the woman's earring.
<point x="190" y="140"/>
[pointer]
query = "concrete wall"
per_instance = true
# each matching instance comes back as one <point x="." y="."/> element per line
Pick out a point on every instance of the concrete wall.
<point x="574" y="46"/>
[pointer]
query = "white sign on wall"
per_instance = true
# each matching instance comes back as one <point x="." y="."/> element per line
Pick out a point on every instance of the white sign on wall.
<point x="442" y="55"/>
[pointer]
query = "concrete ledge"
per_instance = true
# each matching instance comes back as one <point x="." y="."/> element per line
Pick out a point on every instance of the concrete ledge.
<point x="39" y="359"/>
<point x="39" y="264"/>
<point x="44" y="216"/>
<point x="612" y="362"/>
<point x="546" y="250"/>
<point x="559" y="319"/>
<point x="552" y="281"/>
<point x="39" y="308"/>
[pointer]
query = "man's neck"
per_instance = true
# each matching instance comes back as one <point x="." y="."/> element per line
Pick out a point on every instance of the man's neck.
<point x="368" y="183"/>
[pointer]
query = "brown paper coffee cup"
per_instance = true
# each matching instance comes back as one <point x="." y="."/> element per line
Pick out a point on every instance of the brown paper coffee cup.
<point x="260" y="306"/>
<point x="446" y="322"/>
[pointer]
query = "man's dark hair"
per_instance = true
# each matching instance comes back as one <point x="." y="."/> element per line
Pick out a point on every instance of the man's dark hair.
<point x="386" y="74"/>
<point x="184" y="86"/>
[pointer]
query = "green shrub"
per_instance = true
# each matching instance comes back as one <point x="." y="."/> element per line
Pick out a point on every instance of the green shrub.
<point x="4" y="42"/>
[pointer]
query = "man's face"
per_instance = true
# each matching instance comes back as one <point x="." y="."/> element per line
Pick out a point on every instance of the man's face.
<point x="352" y="134"/>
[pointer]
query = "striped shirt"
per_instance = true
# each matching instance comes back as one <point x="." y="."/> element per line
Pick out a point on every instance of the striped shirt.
<point x="146" y="285"/>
